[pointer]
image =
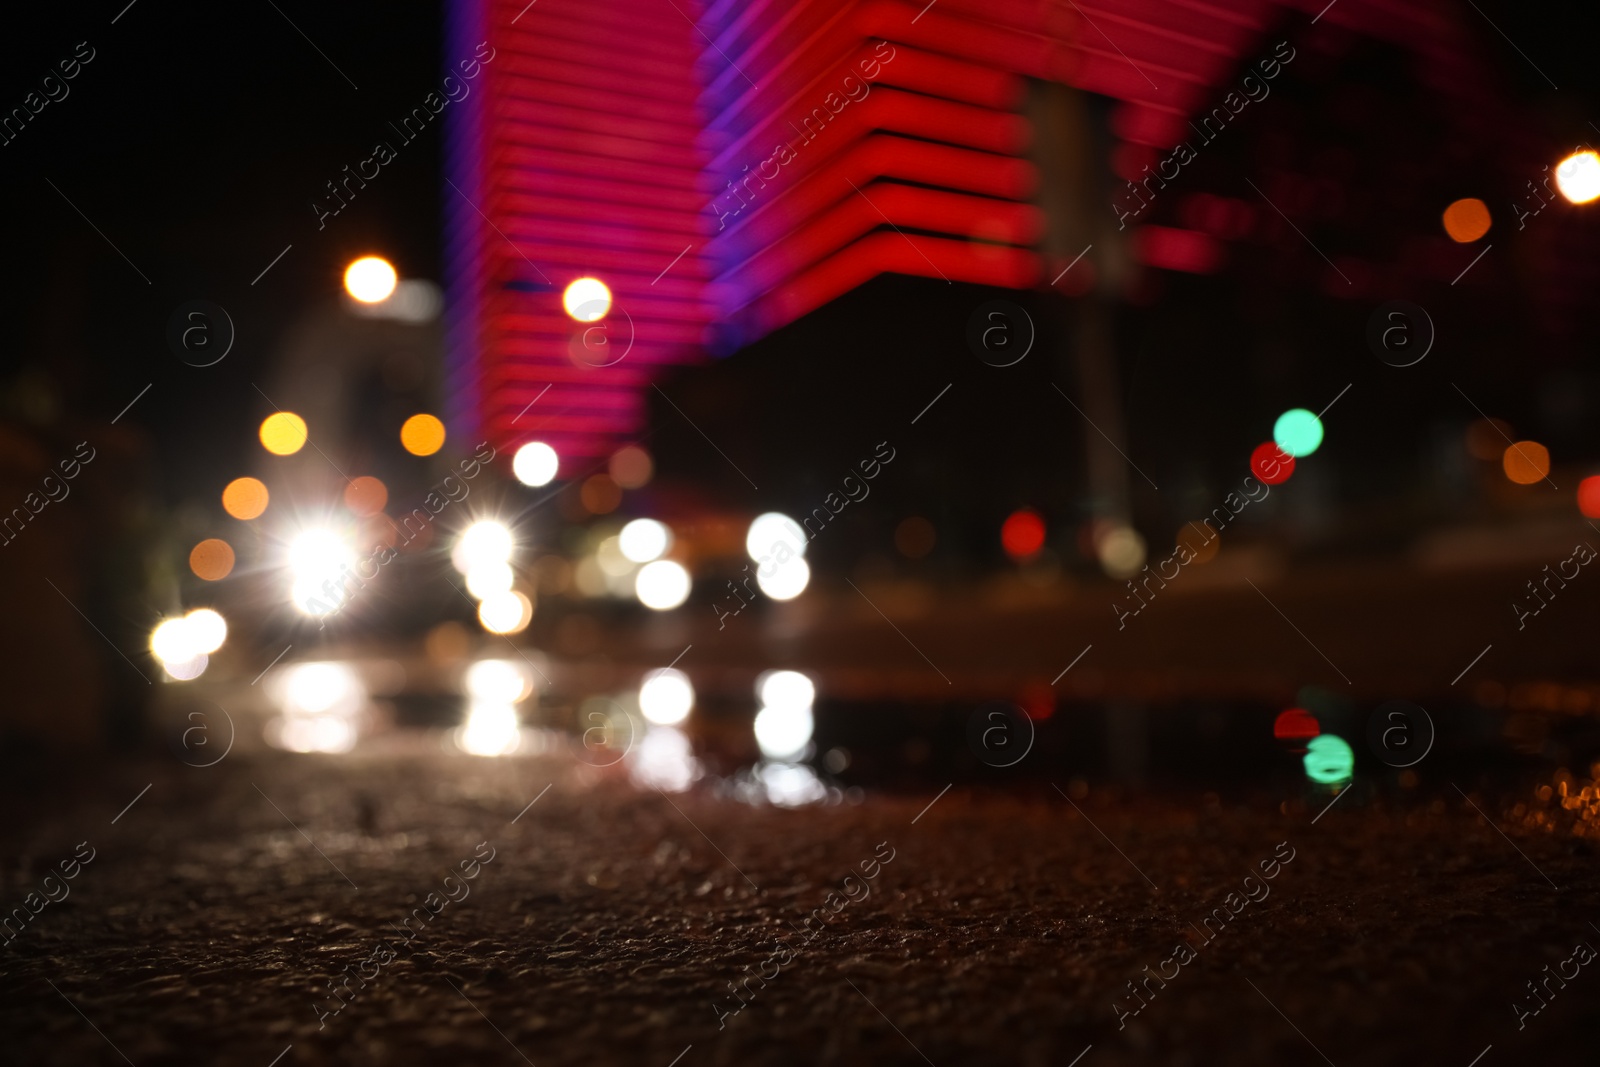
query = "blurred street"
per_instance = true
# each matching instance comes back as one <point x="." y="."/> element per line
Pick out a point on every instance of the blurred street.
<point x="609" y="922"/>
<point x="792" y="532"/>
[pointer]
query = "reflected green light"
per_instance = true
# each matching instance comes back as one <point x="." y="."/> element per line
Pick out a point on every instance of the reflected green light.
<point x="1297" y="432"/>
<point x="1329" y="760"/>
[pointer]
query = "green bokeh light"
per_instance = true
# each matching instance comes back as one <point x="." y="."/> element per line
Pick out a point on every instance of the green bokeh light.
<point x="1329" y="760"/>
<point x="1297" y="432"/>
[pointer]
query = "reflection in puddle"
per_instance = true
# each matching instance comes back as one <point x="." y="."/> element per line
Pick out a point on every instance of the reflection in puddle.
<point x="323" y="704"/>
<point x="311" y="733"/>
<point x="663" y="759"/>
<point x="791" y="785"/>
<point x="491" y="729"/>
<point x="784" y="724"/>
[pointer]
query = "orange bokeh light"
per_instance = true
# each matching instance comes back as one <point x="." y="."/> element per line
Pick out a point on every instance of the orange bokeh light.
<point x="600" y="495"/>
<point x="422" y="435"/>
<point x="366" y="495"/>
<point x="211" y="559"/>
<point x="283" y="433"/>
<point x="1526" y="462"/>
<point x="1466" y="220"/>
<point x="244" y="498"/>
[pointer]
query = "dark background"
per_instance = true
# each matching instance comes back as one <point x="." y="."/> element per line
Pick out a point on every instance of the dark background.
<point x="196" y="140"/>
<point x="199" y="135"/>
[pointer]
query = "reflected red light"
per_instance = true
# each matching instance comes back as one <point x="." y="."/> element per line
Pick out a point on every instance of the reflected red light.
<point x="1023" y="534"/>
<point x="1038" y="701"/>
<point x="1589" y="496"/>
<point x="1173" y="249"/>
<point x="1295" y="724"/>
<point x="1271" y="464"/>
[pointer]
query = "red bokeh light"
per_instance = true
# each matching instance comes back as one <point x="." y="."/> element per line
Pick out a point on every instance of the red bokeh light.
<point x="1589" y="496"/>
<point x="1295" y="724"/>
<point x="1270" y="463"/>
<point x="1023" y="534"/>
<point x="1038" y="701"/>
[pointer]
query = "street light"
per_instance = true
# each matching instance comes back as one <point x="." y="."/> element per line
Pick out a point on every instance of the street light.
<point x="1578" y="177"/>
<point x="535" y="464"/>
<point x="662" y="585"/>
<point x="370" y="279"/>
<point x="587" y="299"/>
<point x="644" y="540"/>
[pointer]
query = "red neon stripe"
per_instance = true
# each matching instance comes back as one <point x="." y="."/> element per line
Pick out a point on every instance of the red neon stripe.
<point x="618" y="17"/>
<point x="550" y="331"/>
<point x="886" y="251"/>
<point x="624" y="125"/>
<point x="672" y="72"/>
<point x="544" y="206"/>
<point x="504" y="156"/>
<point x="589" y="77"/>
<point x="553" y="94"/>
<point x="541" y="239"/>
<point x="947" y="118"/>
<point x="552" y="185"/>
<point x="796" y="206"/>
<point x="593" y="143"/>
<point x="635" y="28"/>
<point x="905" y="206"/>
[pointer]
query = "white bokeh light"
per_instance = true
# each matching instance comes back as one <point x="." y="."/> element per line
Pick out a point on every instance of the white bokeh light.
<point x="173" y="642"/>
<point x="486" y="579"/>
<point x="483" y="543"/>
<point x="767" y="530"/>
<point x="785" y="689"/>
<point x="586" y="299"/>
<point x="497" y="681"/>
<point x="181" y="645"/>
<point x="666" y="696"/>
<point x="535" y="464"/>
<point x="207" y="629"/>
<point x="319" y="565"/>
<point x="316" y="733"/>
<point x="786" y="580"/>
<point x="506" y="613"/>
<point x="491" y="729"/>
<point x="322" y="689"/>
<point x="783" y="732"/>
<point x="644" y="540"/>
<point x="1121" y="551"/>
<point x="1578" y="177"/>
<point x="662" y="585"/>
<point x="790" y="785"/>
<point x="187" y="670"/>
<point x="370" y="279"/>
<point x="322" y="707"/>
<point x="663" y="759"/>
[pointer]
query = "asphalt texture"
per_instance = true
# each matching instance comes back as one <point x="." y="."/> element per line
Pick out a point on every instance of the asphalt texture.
<point x="606" y="924"/>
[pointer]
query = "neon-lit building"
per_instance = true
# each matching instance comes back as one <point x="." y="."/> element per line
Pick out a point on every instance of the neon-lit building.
<point x="728" y="167"/>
